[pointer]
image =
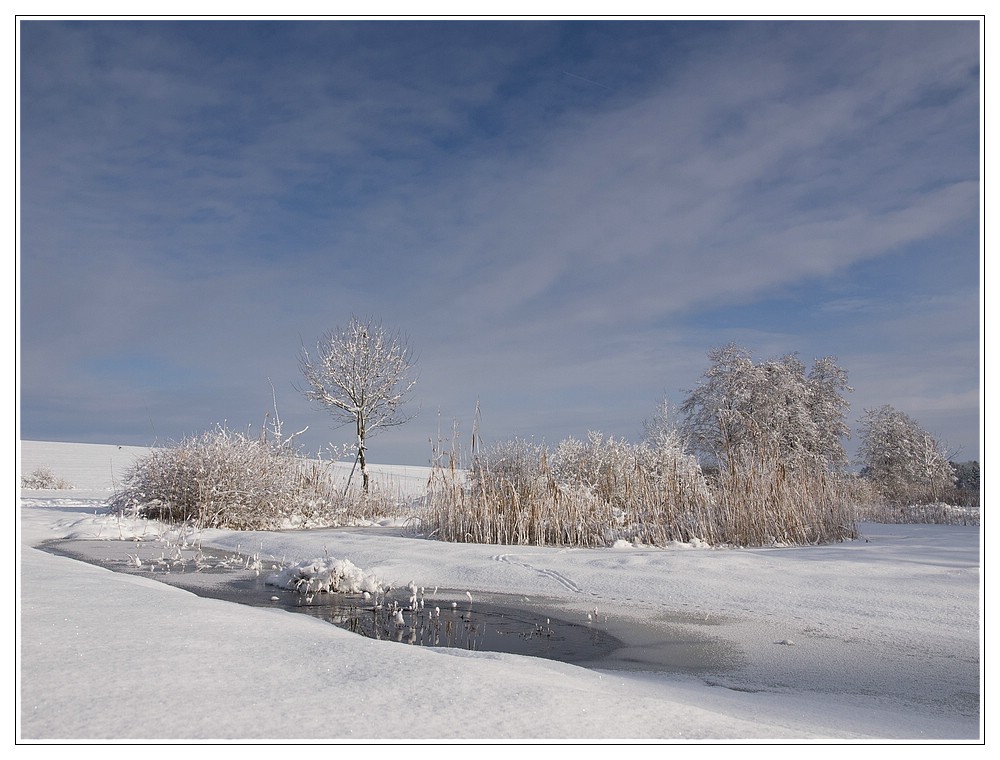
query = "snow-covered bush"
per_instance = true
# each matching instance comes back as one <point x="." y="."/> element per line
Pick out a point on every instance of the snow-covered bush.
<point x="43" y="477"/>
<point x="905" y="462"/>
<point x="603" y="490"/>
<point x="511" y="498"/>
<point x="232" y="479"/>
<point x="508" y="496"/>
<point x="326" y="575"/>
<point x="512" y="465"/>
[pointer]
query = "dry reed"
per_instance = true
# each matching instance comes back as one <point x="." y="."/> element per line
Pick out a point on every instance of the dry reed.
<point x="594" y="493"/>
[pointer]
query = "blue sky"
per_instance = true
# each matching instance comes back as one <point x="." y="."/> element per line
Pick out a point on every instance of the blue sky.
<point x="564" y="217"/>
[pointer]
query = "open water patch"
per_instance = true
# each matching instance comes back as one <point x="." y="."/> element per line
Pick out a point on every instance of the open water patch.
<point x="422" y="617"/>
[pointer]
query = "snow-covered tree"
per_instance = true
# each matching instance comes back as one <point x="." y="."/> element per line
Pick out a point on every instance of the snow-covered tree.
<point x="362" y="374"/>
<point x="902" y="459"/>
<point x="827" y="408"/>
<point x="773" y="405"/>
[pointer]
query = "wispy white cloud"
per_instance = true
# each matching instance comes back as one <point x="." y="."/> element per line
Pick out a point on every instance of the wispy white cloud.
<point x="214" y="196"/>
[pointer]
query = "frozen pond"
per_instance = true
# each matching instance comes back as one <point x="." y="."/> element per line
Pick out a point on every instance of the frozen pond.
<point x="535" y="627"/>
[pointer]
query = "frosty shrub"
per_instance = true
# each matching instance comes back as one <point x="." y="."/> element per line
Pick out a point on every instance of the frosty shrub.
<point x="592" y="493"/>
<point x="513" y="466"/>
<point x="43" y="477"/>
<point x="236" y="480"/>
<point x="903" y="461"/>
<point x="506" y="496"/>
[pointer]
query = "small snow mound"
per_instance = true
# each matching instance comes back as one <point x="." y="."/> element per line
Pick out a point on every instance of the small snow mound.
<point x="786" y="642"/>
<point x="694" y="543"/>
<point x="326" y="575"/>
<point x="621" y="543"/>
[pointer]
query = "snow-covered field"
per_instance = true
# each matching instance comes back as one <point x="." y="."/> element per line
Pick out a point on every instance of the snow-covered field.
<point x="874" y="640"/>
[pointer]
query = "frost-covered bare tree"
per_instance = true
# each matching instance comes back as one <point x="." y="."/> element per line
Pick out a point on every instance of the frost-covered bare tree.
<point x="740" y="403"/>
<point x="902" y="459"/>
<point x="362" y="374"/>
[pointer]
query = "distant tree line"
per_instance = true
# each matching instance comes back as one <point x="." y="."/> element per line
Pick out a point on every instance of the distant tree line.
<point x="967" y="487"/>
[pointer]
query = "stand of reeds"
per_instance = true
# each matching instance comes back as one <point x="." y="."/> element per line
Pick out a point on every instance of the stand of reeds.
<point x="602" y="491"/>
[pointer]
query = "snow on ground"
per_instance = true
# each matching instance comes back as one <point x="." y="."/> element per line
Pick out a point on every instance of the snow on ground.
<point x="85" y="467"/>
<point x="101" y="467"/>
<point x="871" y="640"/>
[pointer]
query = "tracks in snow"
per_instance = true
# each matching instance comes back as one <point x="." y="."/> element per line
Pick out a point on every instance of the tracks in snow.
<point x="562" y="580"/>
<point x="567" y="583"/>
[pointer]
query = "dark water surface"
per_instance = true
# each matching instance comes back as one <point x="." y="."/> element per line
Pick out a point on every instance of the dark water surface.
<point x="440" y="618"/>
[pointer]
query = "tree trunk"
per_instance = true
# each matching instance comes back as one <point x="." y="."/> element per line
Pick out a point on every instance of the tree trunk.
<point x="364" y="468"/>
<point x="362" y="429"/>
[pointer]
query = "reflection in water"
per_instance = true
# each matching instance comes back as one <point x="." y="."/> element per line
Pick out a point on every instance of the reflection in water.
<point x="444" y="622"/>
<point x="421" y="627"/>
